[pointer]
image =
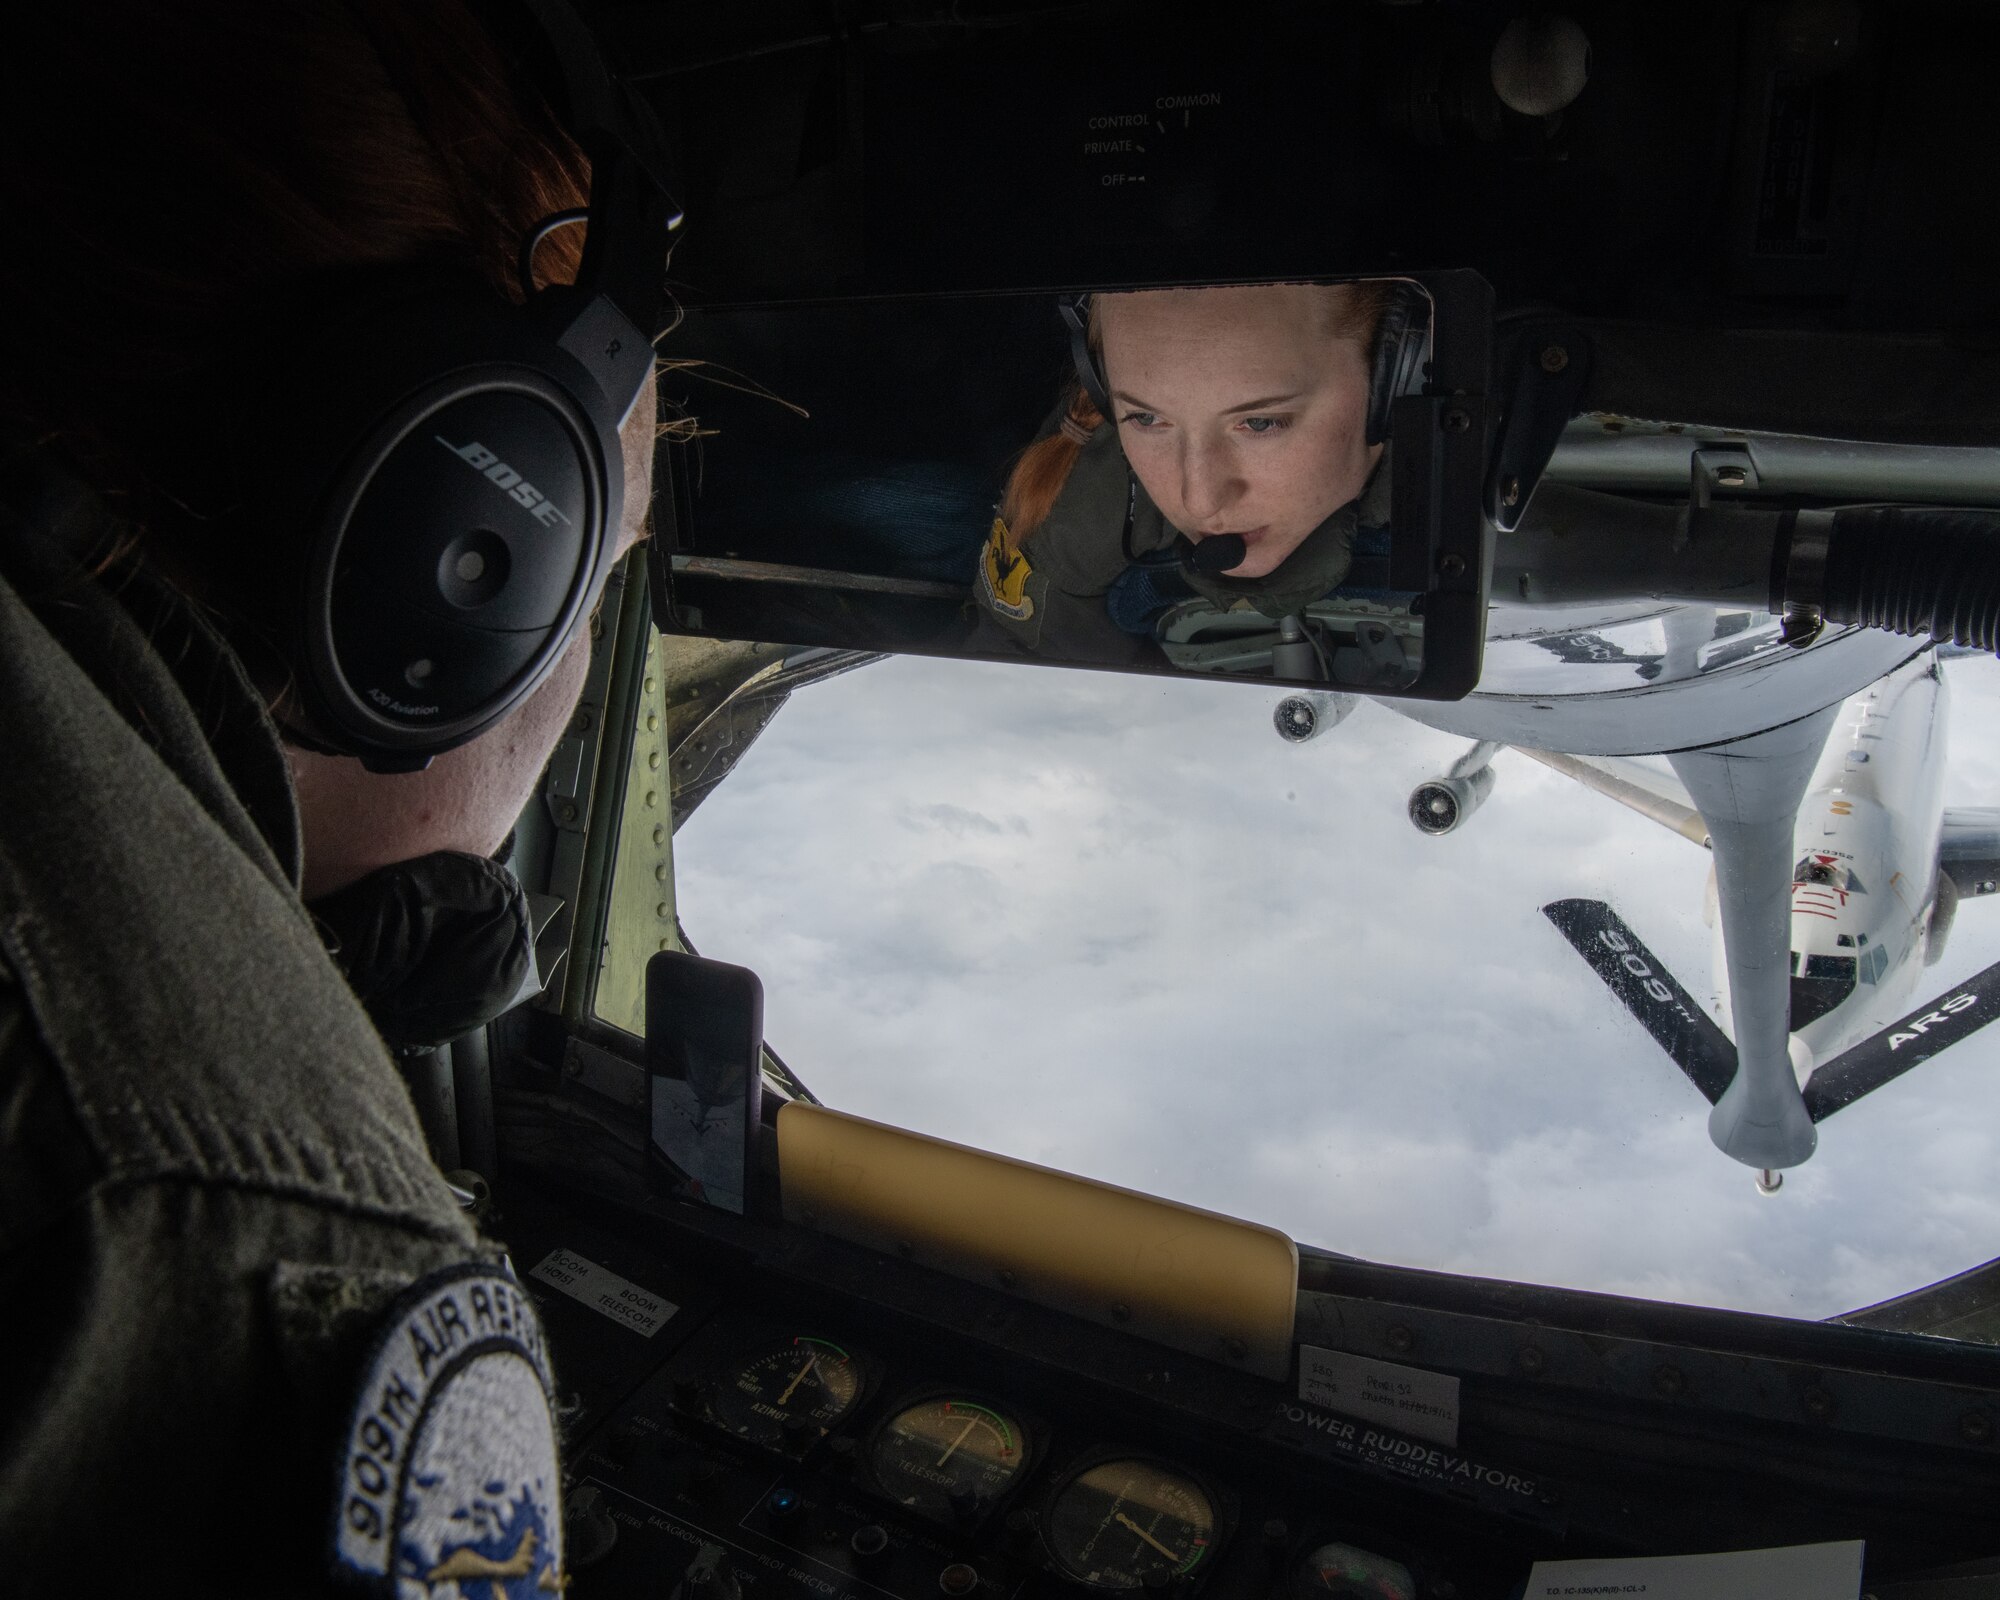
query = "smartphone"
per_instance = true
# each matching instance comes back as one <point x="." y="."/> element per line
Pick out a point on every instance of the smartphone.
<point x="704" y="1055"/>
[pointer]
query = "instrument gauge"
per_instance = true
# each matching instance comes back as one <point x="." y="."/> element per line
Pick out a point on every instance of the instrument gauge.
<point x="803" y="1388"/>
<point x="947" y="1458"/>
<point x="1343" y="1572"/>
<point x="1130" y="1524"/>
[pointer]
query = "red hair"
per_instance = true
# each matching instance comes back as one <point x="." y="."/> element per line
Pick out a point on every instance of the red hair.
<point x="1353" y="311"/>
<point x="166" y="164"/>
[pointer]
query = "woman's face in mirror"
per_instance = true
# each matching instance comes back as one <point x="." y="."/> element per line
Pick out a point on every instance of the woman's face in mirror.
<point x="1242" y="410"/>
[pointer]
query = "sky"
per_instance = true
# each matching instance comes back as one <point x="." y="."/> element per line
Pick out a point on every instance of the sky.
<point x="1114" y="925"/>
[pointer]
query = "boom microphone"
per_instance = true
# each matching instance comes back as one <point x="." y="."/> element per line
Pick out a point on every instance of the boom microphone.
<point x="1217" y="553"/>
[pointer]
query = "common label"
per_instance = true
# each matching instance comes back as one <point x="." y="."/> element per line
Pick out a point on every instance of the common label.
<point x="1408" y="1398"/>
<point x="1793" y="1572"/>
<point x="618" y="1298"/>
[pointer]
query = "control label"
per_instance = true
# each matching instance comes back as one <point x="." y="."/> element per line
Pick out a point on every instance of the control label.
<point x="1795" y="1572"/>
<point x="1408" y="1398"/>
<point x="604" y="1291"/>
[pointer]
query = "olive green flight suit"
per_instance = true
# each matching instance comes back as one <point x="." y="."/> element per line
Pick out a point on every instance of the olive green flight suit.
<point x="211" y="1175"/>
<point x="1048" y="600"/>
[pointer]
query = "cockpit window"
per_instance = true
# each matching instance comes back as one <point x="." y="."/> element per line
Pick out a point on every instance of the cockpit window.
<point x="1118" y="926"/>
<point x="1825" y="872"/>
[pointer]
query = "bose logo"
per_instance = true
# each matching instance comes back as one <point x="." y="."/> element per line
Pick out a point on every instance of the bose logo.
<point x="484" y="461"/>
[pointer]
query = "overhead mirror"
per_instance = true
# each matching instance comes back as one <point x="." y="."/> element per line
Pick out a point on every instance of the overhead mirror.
<point x="1277" y="480"/>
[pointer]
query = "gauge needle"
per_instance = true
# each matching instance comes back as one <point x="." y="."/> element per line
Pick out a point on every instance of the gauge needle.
<point x="1142" y="1533"/>
<point x="970" y="1425"/>
<point x="811" y="1362"/>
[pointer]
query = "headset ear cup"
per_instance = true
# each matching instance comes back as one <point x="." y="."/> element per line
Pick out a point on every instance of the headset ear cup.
<point x="1402" y="342"/>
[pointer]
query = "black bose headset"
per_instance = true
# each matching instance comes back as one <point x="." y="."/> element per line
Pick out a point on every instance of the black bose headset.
<point x="1402" y="343"/>
<point x="456" y="481"/>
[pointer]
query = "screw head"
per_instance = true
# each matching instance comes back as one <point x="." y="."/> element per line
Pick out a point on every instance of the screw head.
<point x="1510" y="490"/>
<point x="1451" y="567"/>
<point x="567" y="811"/>
<point x="1530" y="1359"/>
<point x="583" y="720"/>
<point x="1554" y="358"/>
<point x="1457" y="421"/>
<point x="1731" y="477"/>
<point x="1400" y="1338"/>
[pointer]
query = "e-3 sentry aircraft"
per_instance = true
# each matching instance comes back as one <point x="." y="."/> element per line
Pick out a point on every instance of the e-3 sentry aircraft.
<point x="1837" y="868"/>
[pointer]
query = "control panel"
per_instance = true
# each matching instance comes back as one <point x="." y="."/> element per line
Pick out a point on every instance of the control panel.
<point x="758" y="1411"/>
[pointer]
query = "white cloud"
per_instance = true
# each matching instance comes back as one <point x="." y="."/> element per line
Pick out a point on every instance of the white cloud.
<point x="1115" y="925"/>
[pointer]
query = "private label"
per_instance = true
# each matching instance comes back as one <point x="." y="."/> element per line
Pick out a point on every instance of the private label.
<point x="604" y="1291"/>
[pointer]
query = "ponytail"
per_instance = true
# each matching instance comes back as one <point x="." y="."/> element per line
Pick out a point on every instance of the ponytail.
<point x="1044" y="467"/>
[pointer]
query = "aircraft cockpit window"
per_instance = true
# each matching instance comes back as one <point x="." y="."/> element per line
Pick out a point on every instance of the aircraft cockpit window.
<point x="1822" y="872"/>
<point x="1184" y="937"/>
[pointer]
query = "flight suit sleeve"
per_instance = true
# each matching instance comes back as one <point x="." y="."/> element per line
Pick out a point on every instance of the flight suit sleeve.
<point x="184" y="1358"/>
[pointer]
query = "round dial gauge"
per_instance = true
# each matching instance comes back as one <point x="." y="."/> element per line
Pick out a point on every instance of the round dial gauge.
<point x="809" y="1384"/>
<point x="1342" y="1572"/>
<point x="1130" y="1524"/>
<point x="947" y="1457"/>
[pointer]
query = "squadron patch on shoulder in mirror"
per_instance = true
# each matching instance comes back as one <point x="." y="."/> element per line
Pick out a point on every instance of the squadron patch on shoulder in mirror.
<point x="1004" y="574"/>
<point x="448" y="1478"/>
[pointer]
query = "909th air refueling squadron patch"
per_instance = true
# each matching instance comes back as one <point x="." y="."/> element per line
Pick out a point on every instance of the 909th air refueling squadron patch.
<point x="448" y="1479"/>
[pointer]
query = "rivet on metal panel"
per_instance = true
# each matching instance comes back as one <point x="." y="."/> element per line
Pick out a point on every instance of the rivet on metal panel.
<point x="1530" y="1359"/>
<point x="653" y="760"/>
<point x="652" y="797"/>
<point x="659" y="834"/>
<point x="662" y="872"/>
<point x="1400" y="1338"/>
<point x="663" y="910"/>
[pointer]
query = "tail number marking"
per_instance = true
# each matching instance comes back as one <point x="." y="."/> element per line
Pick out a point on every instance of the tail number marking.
<point x="1635" y="964"/>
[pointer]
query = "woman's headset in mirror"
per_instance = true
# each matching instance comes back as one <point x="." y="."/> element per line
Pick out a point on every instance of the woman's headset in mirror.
<point x="457" y="484"/>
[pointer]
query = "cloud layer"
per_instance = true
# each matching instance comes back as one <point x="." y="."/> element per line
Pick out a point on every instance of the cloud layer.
<point x="1116" y="926"/>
